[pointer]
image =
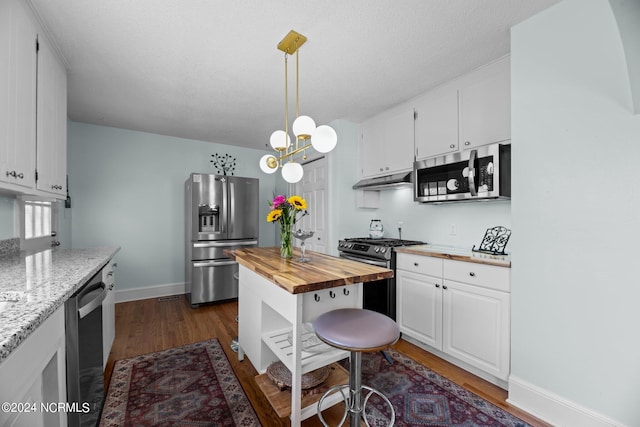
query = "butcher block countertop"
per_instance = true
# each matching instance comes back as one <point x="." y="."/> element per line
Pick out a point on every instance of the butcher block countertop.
<point x="457" y="254"/>
<point x="323" y="272"/>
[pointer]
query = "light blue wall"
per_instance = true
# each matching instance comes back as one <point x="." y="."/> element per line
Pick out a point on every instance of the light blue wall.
<point x="126" y="190"/>
<point x="575" y="211"/>
<point x="7" y="204"/>
<point x="426" y="222"/>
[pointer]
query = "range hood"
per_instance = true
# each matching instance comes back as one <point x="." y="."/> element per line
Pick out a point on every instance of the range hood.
<point x="386" y="182"/>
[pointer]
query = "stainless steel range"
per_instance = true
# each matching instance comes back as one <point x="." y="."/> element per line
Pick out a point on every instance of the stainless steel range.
<point x="379" y="296"/>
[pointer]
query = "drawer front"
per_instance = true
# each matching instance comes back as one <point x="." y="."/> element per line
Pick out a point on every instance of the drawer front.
<point x="420" y="264"/>
<point x="487" y="276"/>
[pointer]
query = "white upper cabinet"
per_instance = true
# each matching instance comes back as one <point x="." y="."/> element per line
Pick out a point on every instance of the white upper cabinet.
<point x="485" y="106"/>
<point x="33" y="106"/>
<point x="468" y="112"/>
<point x="18" y="61"/>
<point x="386" y="144"/>
<point x="52" y="121"/>
<point x="437" y="123"/>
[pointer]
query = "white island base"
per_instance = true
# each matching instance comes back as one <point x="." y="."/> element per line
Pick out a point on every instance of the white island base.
<point x="271" y="329"/>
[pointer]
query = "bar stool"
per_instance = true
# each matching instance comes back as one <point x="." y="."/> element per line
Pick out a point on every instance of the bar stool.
<point x="356" y="330"/>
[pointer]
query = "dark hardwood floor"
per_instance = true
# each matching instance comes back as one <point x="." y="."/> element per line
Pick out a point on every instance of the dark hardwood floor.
<point x="151" y="325"/>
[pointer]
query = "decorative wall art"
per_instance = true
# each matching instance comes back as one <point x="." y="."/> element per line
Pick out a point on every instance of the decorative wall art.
<point x="225" y="164"/>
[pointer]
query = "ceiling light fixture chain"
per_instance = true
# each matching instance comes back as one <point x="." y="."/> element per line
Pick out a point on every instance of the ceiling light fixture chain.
<point x="322" y="138"/>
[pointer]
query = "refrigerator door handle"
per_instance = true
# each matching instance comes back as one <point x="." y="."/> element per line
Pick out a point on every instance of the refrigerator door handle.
<point x="212" y="263"/>
<point x="225" y="244"/>
<point x="232" y="208"/>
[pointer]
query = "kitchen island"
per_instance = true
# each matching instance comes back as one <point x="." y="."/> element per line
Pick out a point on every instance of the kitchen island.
<point x="278" y="299"/>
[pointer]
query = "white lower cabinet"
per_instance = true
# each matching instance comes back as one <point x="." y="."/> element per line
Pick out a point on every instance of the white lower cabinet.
<point x="33" y="378"/>
<point x="467" y="324"/>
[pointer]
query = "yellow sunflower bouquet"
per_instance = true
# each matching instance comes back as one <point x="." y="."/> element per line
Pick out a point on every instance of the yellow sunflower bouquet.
<point x="285" y="211"/>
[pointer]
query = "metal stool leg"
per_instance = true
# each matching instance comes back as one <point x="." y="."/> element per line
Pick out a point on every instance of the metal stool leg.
<point x="355" y="388"/>
<point x="355" y="407"/>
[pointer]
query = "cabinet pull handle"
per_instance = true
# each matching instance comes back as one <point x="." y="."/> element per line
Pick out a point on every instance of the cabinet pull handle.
<point x="472" y="274"/>
<point x="316" y="297"/>
<point x="332" y="294"/>
<point x="345" y="291"/>
<point x="12" y="173"/>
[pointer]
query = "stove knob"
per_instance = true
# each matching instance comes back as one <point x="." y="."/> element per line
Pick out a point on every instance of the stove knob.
<point x="377" y="249"/>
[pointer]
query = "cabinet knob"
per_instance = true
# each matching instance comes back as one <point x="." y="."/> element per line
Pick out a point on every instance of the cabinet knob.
<point x="472" y="274"/>
<point x="467" y="143"/>
<point x="20" y="175"/>
<point x="444" y="287"/>
<point x="416" y="264"/>
<point x="452" y="146"/>
<point x="437" y="285"/>
<point x="381" y="170"/>
<point x="12" y="173"/>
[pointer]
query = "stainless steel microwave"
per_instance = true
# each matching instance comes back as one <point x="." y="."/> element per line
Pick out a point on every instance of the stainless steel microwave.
<point x="481" y="173"/>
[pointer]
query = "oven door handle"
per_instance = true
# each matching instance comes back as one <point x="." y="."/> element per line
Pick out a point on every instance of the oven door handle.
<point x="95" y="302"/>
<point x="213" y="263"/>
<point x="472" y="172"/>
<point x="366" y="261"/>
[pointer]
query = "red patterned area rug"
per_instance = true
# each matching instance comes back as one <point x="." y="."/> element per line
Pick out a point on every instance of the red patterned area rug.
<point x="421" y="397"/>
<point x="192" y="385"/>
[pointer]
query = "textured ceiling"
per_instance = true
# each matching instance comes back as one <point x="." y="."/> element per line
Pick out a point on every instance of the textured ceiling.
<point x="209" y="70"/>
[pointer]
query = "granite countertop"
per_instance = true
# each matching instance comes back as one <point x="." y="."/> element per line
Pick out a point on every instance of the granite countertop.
<point x="41" y="282"/>
<point x="457" y="254"/>
<point x="322" y="272"/>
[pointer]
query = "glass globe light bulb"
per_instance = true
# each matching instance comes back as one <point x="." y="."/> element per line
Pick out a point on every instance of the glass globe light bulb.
<point x="303" y="126"/>
<point x="280" y="140"/>
<point x="268" y="163"/>
<point x="292" y="172"/>
<point x="324" y="139"/>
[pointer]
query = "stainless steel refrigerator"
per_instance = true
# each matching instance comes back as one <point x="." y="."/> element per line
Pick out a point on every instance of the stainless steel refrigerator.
<point x="221" y="213"/>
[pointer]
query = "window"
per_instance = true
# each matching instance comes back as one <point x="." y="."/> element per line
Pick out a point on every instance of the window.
<point x="37" y="219"/>
<point x="37" y="222"/>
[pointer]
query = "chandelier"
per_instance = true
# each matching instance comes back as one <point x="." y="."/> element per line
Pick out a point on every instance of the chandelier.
<point x="322" y="138"/>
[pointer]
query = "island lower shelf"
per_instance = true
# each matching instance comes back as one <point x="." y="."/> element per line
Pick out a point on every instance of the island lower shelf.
<point x="279" y="343"/>
<point x="280" y="400"/>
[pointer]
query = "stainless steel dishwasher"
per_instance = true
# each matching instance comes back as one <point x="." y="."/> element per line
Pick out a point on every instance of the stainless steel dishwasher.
<point x="85" y="381"/>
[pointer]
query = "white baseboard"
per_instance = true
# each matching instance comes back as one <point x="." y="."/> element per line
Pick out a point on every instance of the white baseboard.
<point x="124" y="295"/>
<point x="552" y="408"/>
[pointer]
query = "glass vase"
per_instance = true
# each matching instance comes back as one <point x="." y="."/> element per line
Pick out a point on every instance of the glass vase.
<point x="286" y="239"/>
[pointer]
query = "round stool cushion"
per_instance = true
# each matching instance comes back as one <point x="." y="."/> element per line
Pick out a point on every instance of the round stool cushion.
<point x="356" y="329"/>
